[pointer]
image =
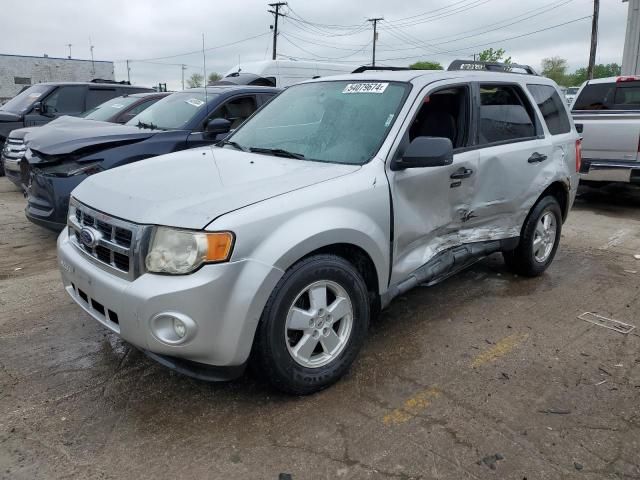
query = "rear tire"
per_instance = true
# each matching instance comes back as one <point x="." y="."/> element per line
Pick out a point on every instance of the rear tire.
<point x="312" y="326"/>
<point x="538" y="241"/>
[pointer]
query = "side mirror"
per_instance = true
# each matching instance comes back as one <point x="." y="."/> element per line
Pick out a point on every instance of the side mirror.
<point x="39" y="107"/>
<point x="217" y="126"/>
<point x="426" y="152"/>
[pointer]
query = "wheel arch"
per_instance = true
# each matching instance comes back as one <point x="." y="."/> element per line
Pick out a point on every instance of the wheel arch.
<point x="560" y="191"/>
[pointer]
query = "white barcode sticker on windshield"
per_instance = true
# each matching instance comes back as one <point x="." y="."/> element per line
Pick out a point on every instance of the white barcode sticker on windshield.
<point x="195" y="102"/>
<point x="117" y="105"/>
<point x="365" y="88"/>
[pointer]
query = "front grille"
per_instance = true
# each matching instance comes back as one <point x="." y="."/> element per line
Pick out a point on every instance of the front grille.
<point x="111" y="240"/>
<point x="14" y="148"/>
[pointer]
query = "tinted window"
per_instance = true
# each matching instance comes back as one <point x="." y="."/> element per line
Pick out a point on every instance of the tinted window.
<point x="97" y="96"/>
<point x="175" y="111"/>
<point x="24" y="100"/>
<point x="66" y="100"/>
<point x="595" y="96"/>
<point x="504" y="115"/>
<point x="551" y="107"/>
<point x="141" y="107"/>
<point x="236" y="110"/>
<point x="108" y="109"/>
<point x="627" y="96"/>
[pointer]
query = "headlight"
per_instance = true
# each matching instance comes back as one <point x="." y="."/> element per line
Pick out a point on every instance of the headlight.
<point x="88" y="169"/>
<point x="182" y="251"/>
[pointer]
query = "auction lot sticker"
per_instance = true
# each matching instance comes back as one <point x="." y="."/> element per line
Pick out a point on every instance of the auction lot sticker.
<point x="365" y="88"/>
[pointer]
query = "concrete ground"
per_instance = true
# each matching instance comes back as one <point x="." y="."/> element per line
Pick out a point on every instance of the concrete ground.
<point x="484" y="376"/>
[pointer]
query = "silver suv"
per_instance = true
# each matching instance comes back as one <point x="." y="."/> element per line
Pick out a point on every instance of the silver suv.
<point x="277" y="246"/>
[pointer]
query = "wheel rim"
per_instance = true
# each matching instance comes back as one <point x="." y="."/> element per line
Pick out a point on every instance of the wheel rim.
<point x="319" y="324"/>
<point x="545" y="237"/>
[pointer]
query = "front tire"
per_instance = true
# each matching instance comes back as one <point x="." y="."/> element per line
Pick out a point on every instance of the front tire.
<point x="538" y="241"/>
<point x="313" y="325"/>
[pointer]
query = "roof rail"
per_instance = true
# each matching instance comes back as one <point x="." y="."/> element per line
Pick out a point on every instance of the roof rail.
<point x="491" y="66"/>
<point x="366" y="68"/>
<point x="102" y="80"/>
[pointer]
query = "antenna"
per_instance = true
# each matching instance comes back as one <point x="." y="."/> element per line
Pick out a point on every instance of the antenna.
<point x="69" y="45"/>
<point x="93" y="65"/>
<point x="204" y="69"/>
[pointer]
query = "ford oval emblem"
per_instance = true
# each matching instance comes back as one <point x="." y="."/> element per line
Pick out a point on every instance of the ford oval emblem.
<point x="88" y="237"/>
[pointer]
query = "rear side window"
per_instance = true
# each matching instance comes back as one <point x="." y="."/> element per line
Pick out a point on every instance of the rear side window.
<point x="66" y="100"/>
<point x="627" y="96"/>
<point x="595" y="96"/>
<point x="505" y="114"/>
<point x="551" y="107"/>
<point x="97" y="96"/>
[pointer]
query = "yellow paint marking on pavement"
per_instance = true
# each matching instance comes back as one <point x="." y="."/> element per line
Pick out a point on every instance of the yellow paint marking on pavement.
<point x="500" y="349"/>
<point x="412" y="406"/>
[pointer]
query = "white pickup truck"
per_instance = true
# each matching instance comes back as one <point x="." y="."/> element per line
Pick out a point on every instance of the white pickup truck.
<point x="607" y="114"/>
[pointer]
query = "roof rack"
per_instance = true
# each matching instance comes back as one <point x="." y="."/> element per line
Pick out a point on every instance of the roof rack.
<point x="366" y="68"/>
<point x="491" y="66"/>
<point x="102" y="80"/>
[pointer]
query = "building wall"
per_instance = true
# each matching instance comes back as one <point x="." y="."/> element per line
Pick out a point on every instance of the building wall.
<point x="32" y="70"/>
<point x="631" y="55"/>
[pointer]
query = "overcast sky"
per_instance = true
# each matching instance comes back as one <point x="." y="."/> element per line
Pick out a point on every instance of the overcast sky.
<point x="440" y="30"/>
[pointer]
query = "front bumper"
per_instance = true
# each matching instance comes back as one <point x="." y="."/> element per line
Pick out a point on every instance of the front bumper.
<point x="224" y="301"/>
<point x="12" y="170"/>
<point x="597" y="170"/>
<point x="48" y="199"/>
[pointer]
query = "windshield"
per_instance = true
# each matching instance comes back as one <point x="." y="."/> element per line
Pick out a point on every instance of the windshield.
<point x="108" y="109"/>
<point x="339" y="121"/>
<point x="173" y="112"/>
<point x="23" y="101"/>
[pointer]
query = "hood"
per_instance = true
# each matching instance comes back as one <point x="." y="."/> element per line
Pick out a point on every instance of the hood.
<point x="71" y="134"/>
<point x="6" y="116"/>
<point x="191" y="188"/>
<point x="20" y="133"/>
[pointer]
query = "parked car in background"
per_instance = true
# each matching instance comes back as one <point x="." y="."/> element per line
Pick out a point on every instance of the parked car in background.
<point x="607" y="113"/>
<point x="336" y="197"/>
<point x="570" y="94"/>
<point x="41" y="103"/>
<point x="282" y="73"/>
<point x="117" y="110"/>
<point x="60" y="158"/>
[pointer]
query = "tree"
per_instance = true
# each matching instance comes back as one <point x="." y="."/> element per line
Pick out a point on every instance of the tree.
<point x="213" y="77"/>
<point x="599" y="71"/>
<point x="491" y="55"/>
<point x="426" y="65"/>
<point x="555" y="68"/>
<point x="195" y="80"/>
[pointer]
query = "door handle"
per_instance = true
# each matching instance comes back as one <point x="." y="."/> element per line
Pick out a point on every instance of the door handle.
<point x="462" y="172"/>
<point x="537" y="158"/>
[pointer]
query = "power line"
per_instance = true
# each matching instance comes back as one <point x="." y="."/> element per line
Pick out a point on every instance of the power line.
<point x="320" y="57"/>
<point x="500" y="40"/>
<point x="457" y="39"/>
<point x="200" y="50"/>
<point x="462" y="8"/>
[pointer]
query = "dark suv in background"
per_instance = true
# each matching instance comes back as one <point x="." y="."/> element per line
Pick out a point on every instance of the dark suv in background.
<point x="117" y="110"/>
<point x="61" y="155"/>
<point x="41" y="103"/>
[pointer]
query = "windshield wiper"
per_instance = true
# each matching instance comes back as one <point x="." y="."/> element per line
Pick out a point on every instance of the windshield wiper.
<point x="232" y="143"/>
<point x="146" y="125"/>
<point x="278" y="152"/>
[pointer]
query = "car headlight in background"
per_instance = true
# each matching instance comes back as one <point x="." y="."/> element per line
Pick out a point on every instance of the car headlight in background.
<point x="89" y="169"/>
<point x="183" y="251"/>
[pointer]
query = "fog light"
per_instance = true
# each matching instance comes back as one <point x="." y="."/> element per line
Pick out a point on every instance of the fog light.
<point x="179" y="327"/>
<point x="173" y="328"/>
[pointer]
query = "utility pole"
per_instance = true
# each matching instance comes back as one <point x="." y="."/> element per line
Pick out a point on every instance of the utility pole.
<point x="183" y="68"/>
<point x="276" y="14"/>
<point x="128" y="72"/>
<point x="594" y="38"/>
<point x="69" y="45"/>
<point x="375" y="37"/>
